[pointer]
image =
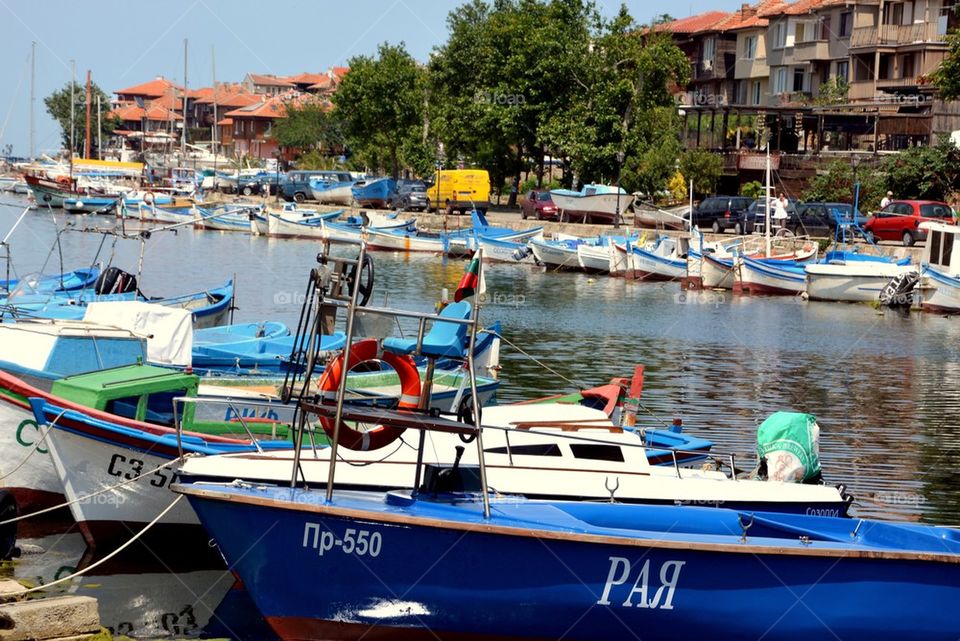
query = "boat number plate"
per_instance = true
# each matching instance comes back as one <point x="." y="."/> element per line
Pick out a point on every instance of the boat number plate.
<point x="353" y="541"/>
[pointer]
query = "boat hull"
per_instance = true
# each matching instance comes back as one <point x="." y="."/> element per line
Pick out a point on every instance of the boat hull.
<point x="594" y="259"/>
<point x="484" y="579"/>
<point x="386" y="241"/>
<point x="648" y="266"/>
<point x="754" y="277"/>
<point x="600" y="208"/>
<point x="860" y="284"/>
<point x="340" y="195"/>
<point x="941" y="292"/>
<point x="555" y="257"/>
<point x="716" y="273"/>
<point x="27" y="467"/>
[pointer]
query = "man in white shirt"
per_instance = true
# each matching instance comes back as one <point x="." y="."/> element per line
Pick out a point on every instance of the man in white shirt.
<point x="780" y="214"/>
<point x="886" y="200"/>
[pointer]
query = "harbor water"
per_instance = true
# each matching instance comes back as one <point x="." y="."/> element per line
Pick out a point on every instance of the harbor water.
<point x="884" y="385"/>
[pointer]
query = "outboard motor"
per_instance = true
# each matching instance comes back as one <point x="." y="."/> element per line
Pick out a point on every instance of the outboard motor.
<point x="114" y="280"/>
<point x="8" y="532"/>
<point x="899" y="291"/>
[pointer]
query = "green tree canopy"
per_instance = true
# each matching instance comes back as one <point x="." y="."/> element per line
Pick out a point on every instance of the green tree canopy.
<point x="381" y="105"/>
<point x="836" y="184"/>
<point x="925" y="173"/>
<point x="704" y="168"/>
<point x="311" y="126"/>
<point x="58" y="106"/>
<point x="947" y="77"/>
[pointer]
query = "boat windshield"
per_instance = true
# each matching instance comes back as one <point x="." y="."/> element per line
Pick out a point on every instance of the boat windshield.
<point x="31" y="286"/>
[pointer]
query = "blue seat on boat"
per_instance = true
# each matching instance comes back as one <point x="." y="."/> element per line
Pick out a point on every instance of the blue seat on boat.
<point x="444" y="340"/>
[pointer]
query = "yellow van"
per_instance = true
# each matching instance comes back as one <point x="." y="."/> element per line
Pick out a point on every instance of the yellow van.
<point x="460" y="190"/>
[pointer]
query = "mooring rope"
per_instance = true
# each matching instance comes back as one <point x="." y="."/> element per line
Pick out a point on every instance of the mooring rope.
<point x="35" y="447"/>
<point x="98" y="492"/>
<point x="120" y="549"/>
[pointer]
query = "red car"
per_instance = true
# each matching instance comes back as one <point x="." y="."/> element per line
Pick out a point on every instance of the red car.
<point x="900" y="220"/>
<point x="538" y="204"/>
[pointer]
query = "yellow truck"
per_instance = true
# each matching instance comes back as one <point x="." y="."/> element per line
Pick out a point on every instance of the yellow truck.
<point x="460" y="190"/>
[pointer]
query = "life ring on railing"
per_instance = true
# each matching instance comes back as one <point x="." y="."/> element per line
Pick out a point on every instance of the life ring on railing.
<point x="381" y="435"/>
<point x="149" y="198"/>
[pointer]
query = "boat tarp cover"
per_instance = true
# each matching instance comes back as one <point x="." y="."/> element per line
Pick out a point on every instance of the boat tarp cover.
<point x="168" y="330"/>
<point x="790" y="443"/>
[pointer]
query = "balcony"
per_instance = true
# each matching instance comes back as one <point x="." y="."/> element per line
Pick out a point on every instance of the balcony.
<point x="892" y="35"/>
<point x="752" y="68"/>
<point x="811" y="50"/>
<point x="862" y="90"/>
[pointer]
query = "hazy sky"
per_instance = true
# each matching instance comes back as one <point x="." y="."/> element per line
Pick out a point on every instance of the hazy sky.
<point x="129" y="42"/>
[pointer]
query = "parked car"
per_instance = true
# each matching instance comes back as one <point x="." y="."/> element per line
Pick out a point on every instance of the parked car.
<point x="296" y="186"/>
<point x="720" y="213"/>
<point x="411" y="196"/>
<point x="538" y="204"/>
<point x="900" y="220"/>
<point x="822" y="219"/>
<point x="756" y="217"/>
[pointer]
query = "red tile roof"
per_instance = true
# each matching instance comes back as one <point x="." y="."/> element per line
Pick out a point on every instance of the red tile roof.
<point x="269" y="80"/>
<point x="226" y="121"/>
<point x="153" y="89"/>
<point x="132" y="112"/>
<point x="801" y="7"/>
<point x="755" y="16"/>
<point x="339" y="72"/>
<point x="307" y="78"/>
<point x="695" y="24"/>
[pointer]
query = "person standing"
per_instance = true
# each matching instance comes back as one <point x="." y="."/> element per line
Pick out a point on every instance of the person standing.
<point x="886" y="200"/>
<point x="780" y="214"/>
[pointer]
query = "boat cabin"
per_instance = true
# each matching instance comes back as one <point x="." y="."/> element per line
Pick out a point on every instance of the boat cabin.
<point x="138" y="392"/>
<point x="941" y="252"/>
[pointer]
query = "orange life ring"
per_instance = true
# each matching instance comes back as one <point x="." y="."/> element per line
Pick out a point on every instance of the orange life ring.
<point x="381" y="435"/>
<point x="149" y="198"/>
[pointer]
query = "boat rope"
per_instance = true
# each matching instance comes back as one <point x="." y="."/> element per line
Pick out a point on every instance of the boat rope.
<point x="35" y="447"/>
<point x="579" y="385"/>
<point x="120" y="549"/>
<point x="98" y="492"/>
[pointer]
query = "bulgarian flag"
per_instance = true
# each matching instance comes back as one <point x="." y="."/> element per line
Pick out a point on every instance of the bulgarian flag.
<point x="472" y="282"/>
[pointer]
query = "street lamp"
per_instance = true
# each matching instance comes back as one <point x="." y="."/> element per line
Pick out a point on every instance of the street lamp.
<point x="278" y="153"/>
<point x="616" y="216"/>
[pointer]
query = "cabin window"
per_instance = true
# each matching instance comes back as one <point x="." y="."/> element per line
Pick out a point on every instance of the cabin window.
<point x="160" y="407"/>
<point x="597" y="452"/>
<point x="124" y="407"/>
<point x="935" y="247"/>
<point x="946" y="250"/>
<point x="545" y="449"/>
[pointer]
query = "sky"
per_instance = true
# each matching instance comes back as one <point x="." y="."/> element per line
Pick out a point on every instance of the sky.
<point x="128" y="42"/>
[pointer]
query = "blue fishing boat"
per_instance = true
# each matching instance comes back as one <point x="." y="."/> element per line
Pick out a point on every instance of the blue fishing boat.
<point x="318" y="568"/>
<point x="209" y="307"/>
<point x="66" y="282"/>
<point x="332" y="187"/>
<point x="374" y="193"/>
<point x="91" y="204"/>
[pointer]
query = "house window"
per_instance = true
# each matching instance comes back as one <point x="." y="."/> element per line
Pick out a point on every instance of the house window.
<point x="780" y="35"/>
<point x="750" y="47"/>
<point x="825" y="30"/>
<point x="801" y="31"/>
<point x="709" y="49"/>
<point x="780" y="81"/>
<point x="798" y="79"/>
<point x="756" y="92"/>
<point x="843" y="70"/>
<point x="908" y="65"/>
<point x="846" y="24"/>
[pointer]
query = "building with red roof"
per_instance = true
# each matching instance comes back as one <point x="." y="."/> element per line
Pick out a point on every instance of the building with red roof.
<point x="266" y="84"/>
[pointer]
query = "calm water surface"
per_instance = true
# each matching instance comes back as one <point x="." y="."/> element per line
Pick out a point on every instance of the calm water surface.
<point x="885" y="386"/>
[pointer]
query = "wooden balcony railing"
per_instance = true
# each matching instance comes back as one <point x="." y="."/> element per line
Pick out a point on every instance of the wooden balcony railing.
<point x="893" y="35"/>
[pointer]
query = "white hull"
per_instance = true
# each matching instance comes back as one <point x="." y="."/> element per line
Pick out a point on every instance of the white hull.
<point x="648" y="264"/>
<point x="400" y="242"/>
<point x="35" y="483"/>
<point x="280" y="227"/>
<point x="855" y="283"/>
<point x="595" y="258"/>
<point x="555" y="257"/>
<point x="336" y="196"/>
<point x="766" y="281"/>
<point x="598" y="205"/>
<point x="940" y="294"/>
<point x="715" y="275"/>
<point x="531" y="475"/>
<point x="85" y="466"/>
<point x="259" y="225"/>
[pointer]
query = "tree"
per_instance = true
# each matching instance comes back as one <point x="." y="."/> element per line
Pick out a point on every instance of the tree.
<point x="833" y="92"/>
<point x="58" y="106"/>
<point x="837" y="184"/>
<point x="380" y="103"/>
<point x="947" y="76"/>
<point x="924" y="173"/>
<point x="753" y="189"/>
<point x="704" y="168"/>
<point x="311" y="126"/>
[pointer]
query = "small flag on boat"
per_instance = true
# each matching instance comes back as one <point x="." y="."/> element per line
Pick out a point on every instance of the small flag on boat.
<point x="472" y="281"/>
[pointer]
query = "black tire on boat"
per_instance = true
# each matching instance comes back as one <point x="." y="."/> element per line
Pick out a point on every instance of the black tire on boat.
<point x="8" y="532"/>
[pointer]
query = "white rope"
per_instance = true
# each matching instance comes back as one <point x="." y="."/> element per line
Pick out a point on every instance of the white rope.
<point x="35" y="447"/>
<point x="98" y="492"/>
<point x="120" y="549"/>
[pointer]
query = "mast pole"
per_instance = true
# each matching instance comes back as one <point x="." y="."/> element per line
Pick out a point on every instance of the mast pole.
<point x="73" y="127"/>
<point x="89" y="99"/>
<point x="767" y="207"/>
<point x="33" y="97"/>
<point x="183" y="138"/>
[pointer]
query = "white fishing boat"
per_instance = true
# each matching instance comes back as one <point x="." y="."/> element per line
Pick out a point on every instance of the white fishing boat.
<point x="595" y="259"/>
<point x="939" y="286"/>
<point x="853" y="282"/>
<point x="597" y="203"/>
<point x="407" y="240"/>
<point x="663" y="259"/>
<point x="755" y="276"/>
<point x="559" y="253"/>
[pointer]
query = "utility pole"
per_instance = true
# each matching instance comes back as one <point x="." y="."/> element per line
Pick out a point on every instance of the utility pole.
<point x="33" y="97"/>
<point x="183" y="138"/>
<point x="213" y="132"/>
<point x="99" y="131"/>
<point x="89" y="99"/>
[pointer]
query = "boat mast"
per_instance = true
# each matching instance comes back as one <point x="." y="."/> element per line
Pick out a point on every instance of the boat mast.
<point x="767" y="205"/>
<point x="33" y="96"/>
<point x="213" y="61"/>
<point x="89" y="99"/>
<point x="73" y="128"/>
<point x="183" y="128"/>
<point x="99" y="131"/>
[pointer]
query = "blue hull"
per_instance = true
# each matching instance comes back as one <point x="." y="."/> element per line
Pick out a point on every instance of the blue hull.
<point x="572" y="571"/>
<point x="375" y="193"/>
